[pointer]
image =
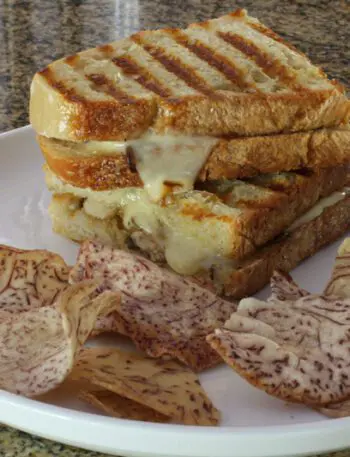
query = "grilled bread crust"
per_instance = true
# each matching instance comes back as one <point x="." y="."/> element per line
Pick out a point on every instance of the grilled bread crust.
<point x="284" y="253"/>
<point x="230" y="158"/>
<point x="225" y="76"/>
<point x="70" y="220"/>
<point x="96" y="171"/>
<point x="229" y="218"/>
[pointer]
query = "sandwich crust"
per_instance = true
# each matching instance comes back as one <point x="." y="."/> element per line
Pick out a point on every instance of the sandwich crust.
<point x="254" y="114"/>
<point x="233" y="158"/>
<point x="285" y="253"/>
<point x="226" y="76"/>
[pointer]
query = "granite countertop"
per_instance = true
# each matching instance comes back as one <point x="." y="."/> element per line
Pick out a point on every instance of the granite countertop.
<point x="18" y="444"/>
<point x="33" y="33"/>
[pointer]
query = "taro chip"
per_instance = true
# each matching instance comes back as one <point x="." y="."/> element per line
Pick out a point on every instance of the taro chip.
<point x="163" y="313"/>
<point x="334" y="410"/>
<point x="30" y="279"/>
<point x="283" y="288"/>
<point x="38" y="347"/>
<point x="339" y="284"/>
<point x="296" y="350"/>
<point x="166" y="387"/>
<point x="117" y="406"/>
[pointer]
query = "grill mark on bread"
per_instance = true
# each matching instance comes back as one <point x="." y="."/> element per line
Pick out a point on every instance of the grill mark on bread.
<point x="270" y="34"/>
<point x="198" y="213"/>
<point x="267" y="63"/>
<point x="262" y="29"/>
<point x="72" y="60"/>
<point x="68" y="93"/>
<point x="131" y="159"/>
<point x="175" y="66"/>
<point x="100" y="82"/>
<point x="106" y="85"/>
<point x="139" y="74"/>
<point x="239" y="13"/>
<point x="214" y="59"/>
<point x="274" y="36"/>
<point x="106" y="49"/>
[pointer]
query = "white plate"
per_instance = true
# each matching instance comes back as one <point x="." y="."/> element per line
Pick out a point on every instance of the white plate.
<point x="254" y="424"/>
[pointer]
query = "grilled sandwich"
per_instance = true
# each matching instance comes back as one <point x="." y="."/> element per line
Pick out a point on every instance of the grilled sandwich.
<point x="174" y="106"/>
<point x="218" y="150"/>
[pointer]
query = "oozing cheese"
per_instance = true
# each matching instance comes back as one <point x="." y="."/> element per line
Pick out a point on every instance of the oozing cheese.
<point x="186" y="249"/>
<point x="318" y="208"/>
<point x="165" y="163"/>
<point x="88" y="148"/>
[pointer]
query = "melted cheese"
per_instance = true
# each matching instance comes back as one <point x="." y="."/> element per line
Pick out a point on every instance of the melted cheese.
<point x="318" y="208"/>
<point x="186" y="251"/>
<point x="188" y="255"/>
<point x="168" y="162"/>
<point x="165" y="163"/>
<point x="97" y="147"/>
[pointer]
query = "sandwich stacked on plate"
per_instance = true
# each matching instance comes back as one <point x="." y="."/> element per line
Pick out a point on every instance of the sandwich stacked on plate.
<point x="218" y="150"/>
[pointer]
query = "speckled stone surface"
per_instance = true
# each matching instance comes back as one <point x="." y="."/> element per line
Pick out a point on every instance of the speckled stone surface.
<point x="14" y="443"/>
<point x="35" y="32"/>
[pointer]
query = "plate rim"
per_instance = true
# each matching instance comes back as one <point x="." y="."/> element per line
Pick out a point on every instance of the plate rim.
<point x="12" y="132"/>
<point x="269" y="441"/>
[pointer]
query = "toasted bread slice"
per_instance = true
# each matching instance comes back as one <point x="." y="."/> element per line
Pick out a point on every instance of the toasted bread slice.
<point x="230" y="75"/>
<point x="226" y="220"/>
<point x="69" y="218"/>
<point x="284" y="253"/>
<point x="231" y="279"/>
<point x="100" y="166"/>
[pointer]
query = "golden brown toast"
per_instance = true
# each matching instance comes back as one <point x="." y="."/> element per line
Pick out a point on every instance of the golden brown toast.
<point x="101" y="167"/>
<point x="232" y="279"/>
<point x="224" y="220"/>
<point x="284" y="253"/>
<point x="230" y="75"/>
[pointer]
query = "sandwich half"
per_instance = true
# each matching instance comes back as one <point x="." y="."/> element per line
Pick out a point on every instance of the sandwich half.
<point x="217" y="234"/>
<point x="323" y="224"/>
<point x="226" y="76"/>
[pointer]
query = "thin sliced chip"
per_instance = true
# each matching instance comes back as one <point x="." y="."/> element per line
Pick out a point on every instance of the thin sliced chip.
<point x="163" y="313"/>
<point x="297" y="350"/>
<point x="283" y="288"/>
<point x="339" y="284"/>
<point x="118" y="406"/>
<point x="38" y="347"/>
<point x="164" y="386"/>
<point x="30" y="279"/>
<point x="334" y="410"/>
